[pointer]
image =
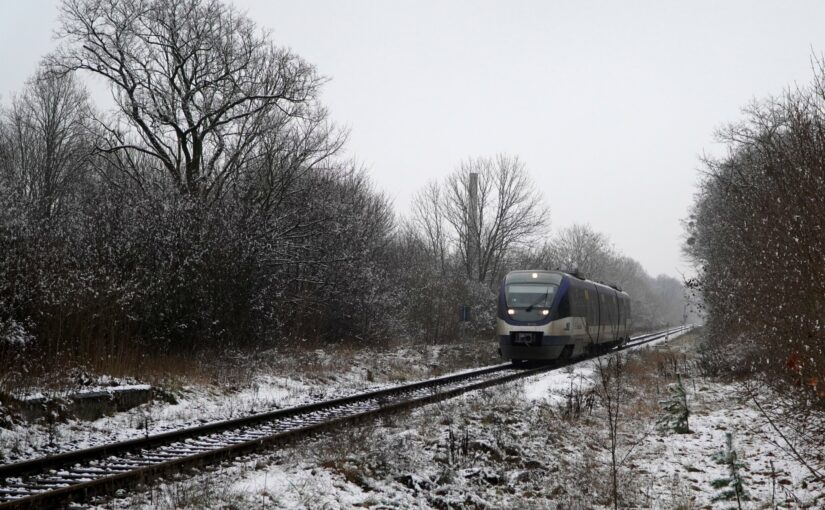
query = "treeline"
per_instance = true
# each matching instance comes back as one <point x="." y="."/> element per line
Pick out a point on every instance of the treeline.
<point x="214" y="207"/>
<point x="462" y="254"/>
<point x="757" y="233"/>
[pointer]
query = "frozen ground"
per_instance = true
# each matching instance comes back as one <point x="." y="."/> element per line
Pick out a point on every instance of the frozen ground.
<point x="538" y="443"/>
<point x="280" y="379"/>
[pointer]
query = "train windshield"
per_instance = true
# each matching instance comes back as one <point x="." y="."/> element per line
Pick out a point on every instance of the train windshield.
<point x="530" y="295"/>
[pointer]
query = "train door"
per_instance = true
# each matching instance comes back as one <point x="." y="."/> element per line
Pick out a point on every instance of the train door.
<point x="606" y="316"/>
<point x="591" y="299"/>
<point x="615" y="319"/>
<point x="600" y="314"/>
<point x="628" y="320"/>
<point x="620" y="322"/>
<point x="625" y="315"/>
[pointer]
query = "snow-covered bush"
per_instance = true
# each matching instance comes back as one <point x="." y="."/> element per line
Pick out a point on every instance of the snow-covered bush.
<point x="14" y="334"/>
<point x="15" y="342"/>
<point x="756" y="235"/>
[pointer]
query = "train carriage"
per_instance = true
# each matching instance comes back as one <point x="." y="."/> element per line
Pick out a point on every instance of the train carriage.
<point x="546" y="315"/>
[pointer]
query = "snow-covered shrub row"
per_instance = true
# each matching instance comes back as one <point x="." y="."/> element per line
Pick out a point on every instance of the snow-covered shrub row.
<point x="213" y="206"/>
<point x="183" y="220"/>
<point x="757" y="234"/>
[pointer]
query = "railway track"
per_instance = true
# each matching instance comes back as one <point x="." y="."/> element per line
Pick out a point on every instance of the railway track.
<point x="79" y="475"/>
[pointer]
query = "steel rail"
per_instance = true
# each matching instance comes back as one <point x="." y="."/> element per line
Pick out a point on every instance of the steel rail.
<point x="78" y="475"/>
<point x="71" y="457"/>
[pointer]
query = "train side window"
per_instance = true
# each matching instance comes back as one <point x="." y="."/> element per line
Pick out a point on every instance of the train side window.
<point x="592" y="308"/>
<point x="611" y="311"/>
<point x="625" y="311"/>
<point x="578" y="307"/>
<point x="571" y="292"/>
<point x="608" y="314"/>
<point x="620" y="308"/>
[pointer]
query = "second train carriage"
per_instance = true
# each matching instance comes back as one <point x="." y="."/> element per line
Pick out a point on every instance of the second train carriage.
<point x="545" y="315"/>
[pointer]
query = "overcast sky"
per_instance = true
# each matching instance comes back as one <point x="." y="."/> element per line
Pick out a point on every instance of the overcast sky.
<point x="610" y="104"/>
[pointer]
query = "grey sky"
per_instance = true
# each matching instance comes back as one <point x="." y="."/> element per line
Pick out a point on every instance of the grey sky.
<point x="609" y="104"/>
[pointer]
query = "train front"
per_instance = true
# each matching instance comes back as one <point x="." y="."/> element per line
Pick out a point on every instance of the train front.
<point x="527" y="305"/>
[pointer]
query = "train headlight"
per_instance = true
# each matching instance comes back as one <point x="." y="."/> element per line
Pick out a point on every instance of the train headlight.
<point x="545" y="312"/>
<point x="510" y="311"/>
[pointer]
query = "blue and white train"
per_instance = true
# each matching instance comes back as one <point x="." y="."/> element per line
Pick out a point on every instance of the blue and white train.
<point x="547" y="315"/>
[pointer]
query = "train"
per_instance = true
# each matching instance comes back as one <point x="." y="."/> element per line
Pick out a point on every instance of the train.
<point x="554" y="315"/>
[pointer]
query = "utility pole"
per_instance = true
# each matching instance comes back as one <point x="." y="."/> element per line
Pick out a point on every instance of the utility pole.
<point x="473" y="247"/>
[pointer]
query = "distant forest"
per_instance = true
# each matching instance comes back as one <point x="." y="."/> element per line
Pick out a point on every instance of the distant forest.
<point x="214" y="209"/>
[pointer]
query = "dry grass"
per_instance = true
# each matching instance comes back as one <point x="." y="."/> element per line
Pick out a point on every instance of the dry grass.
<point x="391" y="362"/>
<point x="64" y="374"/>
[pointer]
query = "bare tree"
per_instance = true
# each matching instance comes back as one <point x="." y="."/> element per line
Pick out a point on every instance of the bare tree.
<point x="46" y="136"/>
<point x="196" y="86"/>
<point x="581" y="248"/>
<point x="429" y="220"/>
<point x="509" y="212"/>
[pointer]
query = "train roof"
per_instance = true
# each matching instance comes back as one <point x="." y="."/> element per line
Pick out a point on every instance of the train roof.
<point x="534" y="275"/>
<point x="551" y="276"/>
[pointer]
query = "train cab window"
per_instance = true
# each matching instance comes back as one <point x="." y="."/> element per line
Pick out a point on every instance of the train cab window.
<point x="530" y="295"/>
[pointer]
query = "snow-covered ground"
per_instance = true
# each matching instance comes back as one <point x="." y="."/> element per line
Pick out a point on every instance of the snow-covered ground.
<point x="282" y="379"/>
<point x="537" y="443"/>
